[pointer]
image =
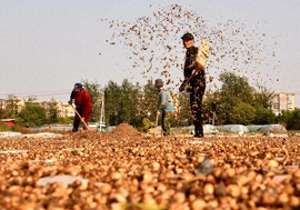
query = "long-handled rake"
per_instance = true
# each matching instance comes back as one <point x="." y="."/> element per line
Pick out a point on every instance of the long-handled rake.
<point x="81" y="119"/>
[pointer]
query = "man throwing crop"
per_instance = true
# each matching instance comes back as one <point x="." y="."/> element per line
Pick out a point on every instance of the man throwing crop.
<point x="194" y="80"/>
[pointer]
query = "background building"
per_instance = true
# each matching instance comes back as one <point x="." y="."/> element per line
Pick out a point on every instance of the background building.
<point x="283" y="102"/>
<point x="16" y="104"/>
<point x="65" y="110"/>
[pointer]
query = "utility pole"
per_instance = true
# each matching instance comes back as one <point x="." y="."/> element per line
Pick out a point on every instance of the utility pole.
<point x="102" y="114"/>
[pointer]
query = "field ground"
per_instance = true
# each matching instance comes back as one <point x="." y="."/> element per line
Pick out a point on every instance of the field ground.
<point x="126" y="170"/>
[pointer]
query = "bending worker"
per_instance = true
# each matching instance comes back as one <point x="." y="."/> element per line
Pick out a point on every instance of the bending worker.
<point x="84" y="106"/>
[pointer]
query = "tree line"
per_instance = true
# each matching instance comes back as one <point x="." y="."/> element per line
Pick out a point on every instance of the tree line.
<point x="235" y="102"/>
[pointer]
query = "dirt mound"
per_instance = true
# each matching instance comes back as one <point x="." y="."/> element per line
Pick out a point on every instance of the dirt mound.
<point x="125" y="129"/>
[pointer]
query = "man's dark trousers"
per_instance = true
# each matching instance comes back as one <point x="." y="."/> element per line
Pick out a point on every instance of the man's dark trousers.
<point x="76" y="121"/>
<point x="196" y="96"/>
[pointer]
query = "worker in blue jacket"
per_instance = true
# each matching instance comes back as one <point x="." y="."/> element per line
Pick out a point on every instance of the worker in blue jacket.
<point x="165" y="106"/>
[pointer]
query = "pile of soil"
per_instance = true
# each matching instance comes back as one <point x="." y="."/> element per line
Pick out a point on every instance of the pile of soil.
<point x="125" y="129"/>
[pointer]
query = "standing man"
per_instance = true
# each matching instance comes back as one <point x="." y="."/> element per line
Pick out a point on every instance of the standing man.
<point x="83" y="103"/>
<point x="194" y="82"/>
<point x="165" y="107"/>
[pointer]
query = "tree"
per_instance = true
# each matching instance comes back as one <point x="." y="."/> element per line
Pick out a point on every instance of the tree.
<point x="262" y="102"/>
<point x="242" y="113"/>
<point x="52" y="112"/>
<point x="123" y="103"/>
<point x="293" y="123"/>
<point x="148" y="101"/>
<point x="235" y="91"/>
<point x="210" y="108"/>
<point x="291" y="119"/>
<point x="238" y="102"/>
<point x="2" y="110"/>
<point x="185" y="117"/>
<point x="2" y="113"/>
<point x="236" y="86"/>
<point x="94" y="89"/>
<point x="112" y="103"/>
<point x="263" y="97"/>
<point x="32" y="115"/>
<point x="263" y="115"/>
<point x="12" y="108"/>
<point x="128" y="109"/>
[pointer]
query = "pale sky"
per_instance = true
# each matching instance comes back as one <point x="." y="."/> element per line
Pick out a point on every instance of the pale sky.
<point x="47" y="46"/>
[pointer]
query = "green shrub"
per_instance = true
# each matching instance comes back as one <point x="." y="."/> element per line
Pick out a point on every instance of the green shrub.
<point x="291" y="119"/>
<point x="32" y="115"/>
<point x="4" y="128"/>
<point x="243" y="113"/>
<point x="65" y="120"/>
<point x="264" y="116"/>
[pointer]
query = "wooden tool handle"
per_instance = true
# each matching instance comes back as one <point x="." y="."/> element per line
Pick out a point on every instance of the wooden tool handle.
<point x="82" y="120"/>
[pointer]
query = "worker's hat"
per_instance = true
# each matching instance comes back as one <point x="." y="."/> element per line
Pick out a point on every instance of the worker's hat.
<point x="187" y="36"/>
<point x="78" y="85"/>
<point x="159" y="83"/>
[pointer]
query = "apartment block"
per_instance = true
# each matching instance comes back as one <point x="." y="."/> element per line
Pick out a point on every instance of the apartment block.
<point x="283" y="102"/>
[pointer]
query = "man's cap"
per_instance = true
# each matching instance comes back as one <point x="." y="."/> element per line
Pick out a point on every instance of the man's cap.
<point x="187" y="36"/>
<point x="78" y="85"/>
<point x="159" y="83"/>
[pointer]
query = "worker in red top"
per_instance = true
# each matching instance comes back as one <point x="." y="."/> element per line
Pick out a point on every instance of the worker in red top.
<point x="84" y="105"/>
